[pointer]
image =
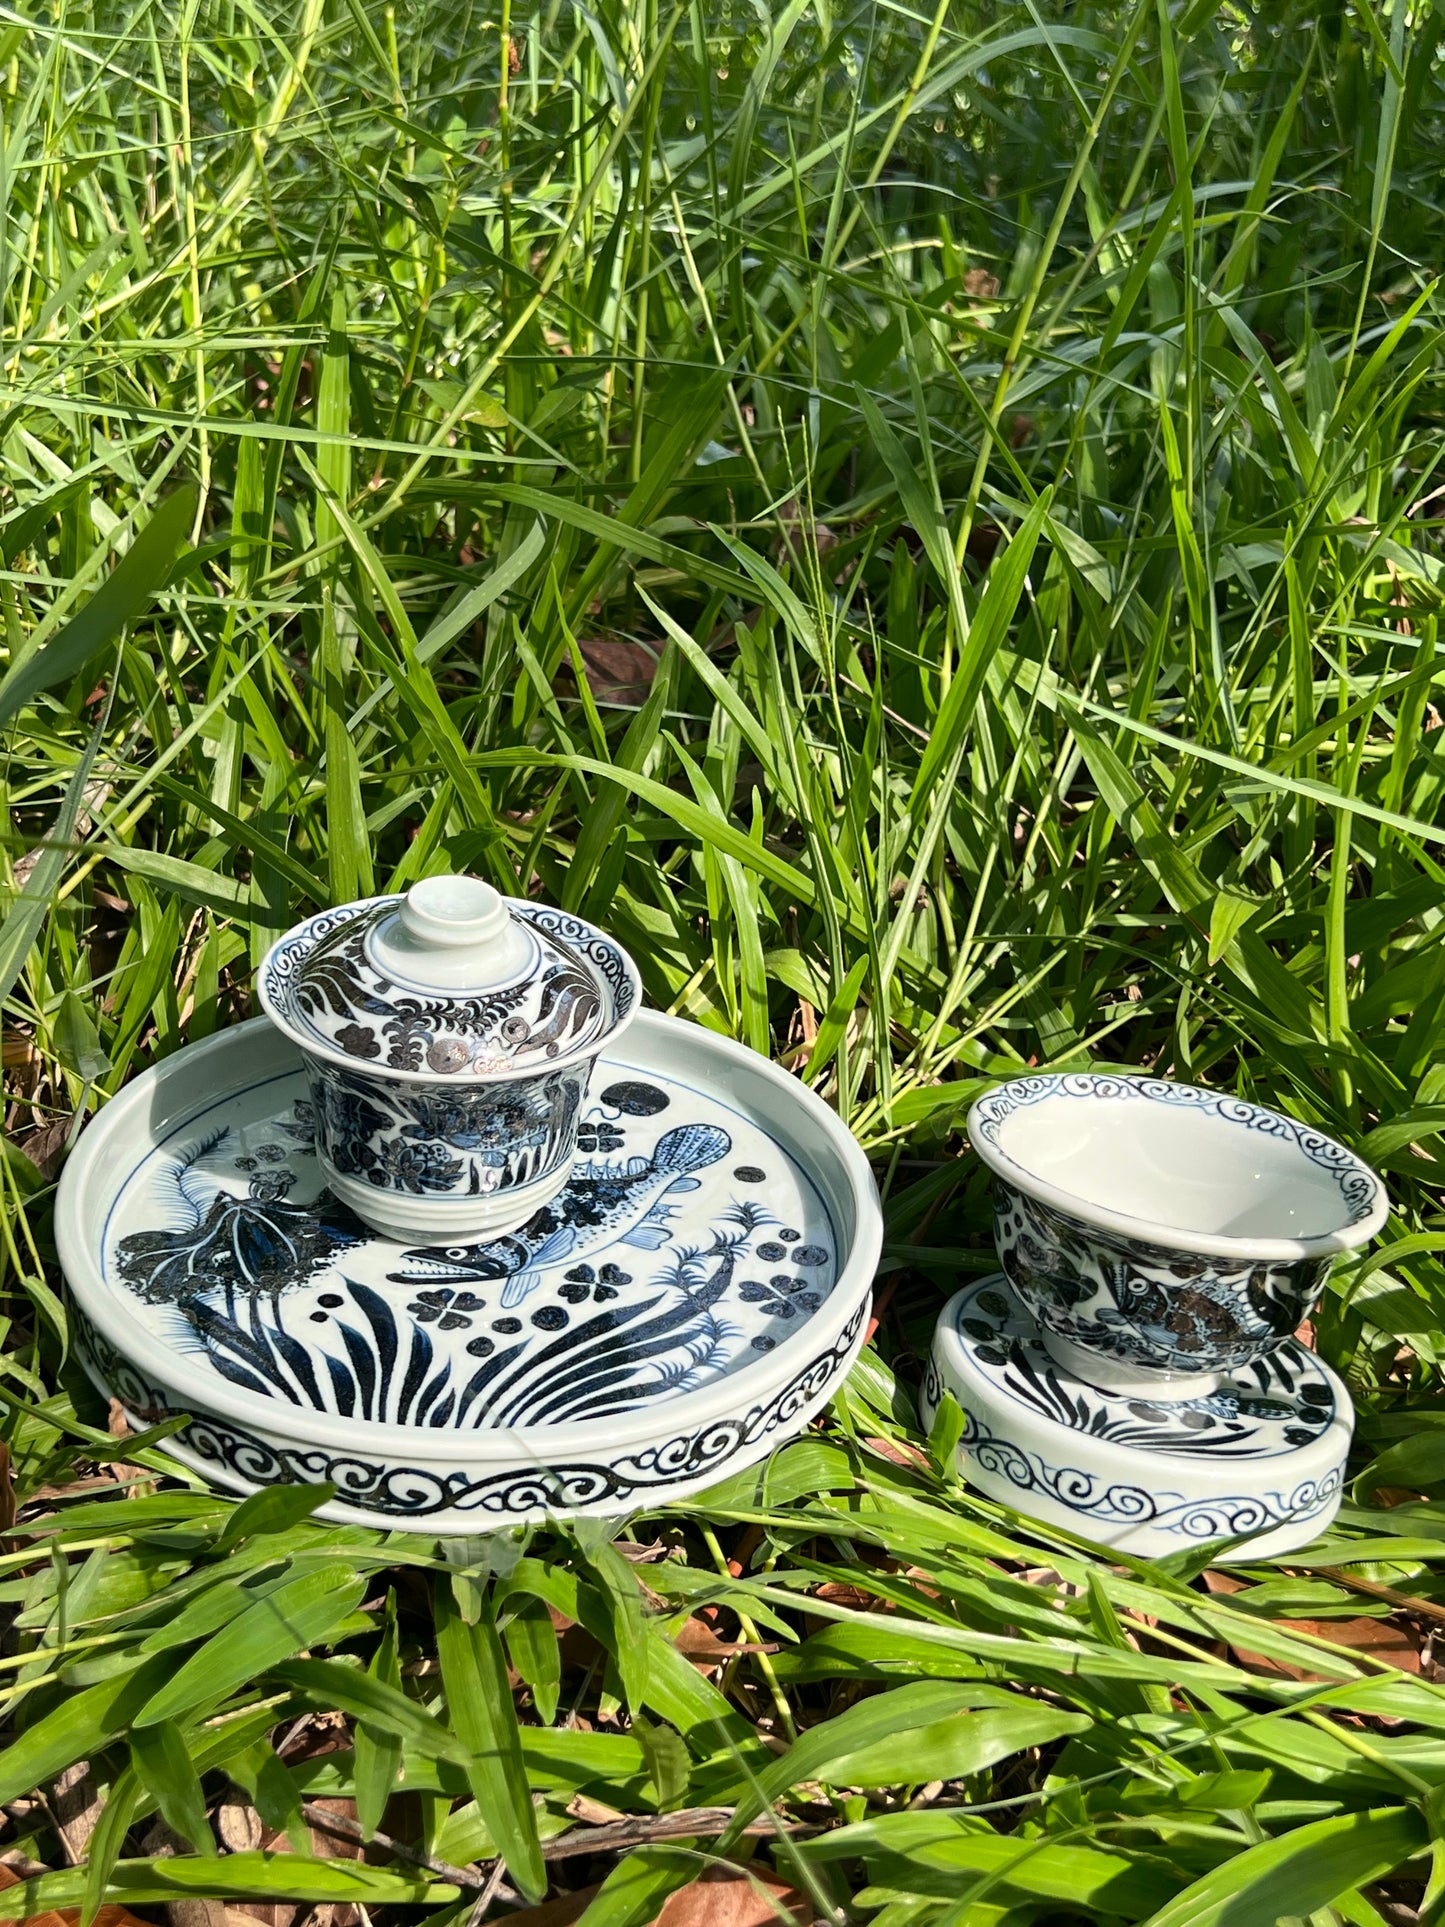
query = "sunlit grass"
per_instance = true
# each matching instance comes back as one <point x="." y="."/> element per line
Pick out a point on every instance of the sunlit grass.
<point x="927" y="525"/>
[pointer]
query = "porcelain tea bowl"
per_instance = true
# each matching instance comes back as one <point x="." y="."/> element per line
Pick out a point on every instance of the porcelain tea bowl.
<point x="1163" y="1235"/>
<point x="448" y="1035"/>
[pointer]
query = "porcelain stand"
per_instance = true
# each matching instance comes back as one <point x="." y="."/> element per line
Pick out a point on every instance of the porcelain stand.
<point x="1257" y="1451"/>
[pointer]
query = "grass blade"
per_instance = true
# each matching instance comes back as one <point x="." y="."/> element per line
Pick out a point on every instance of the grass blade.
<point x="479" y="1703"/>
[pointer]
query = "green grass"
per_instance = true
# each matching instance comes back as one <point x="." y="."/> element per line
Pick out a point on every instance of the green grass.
<point x="1003" y="448"/>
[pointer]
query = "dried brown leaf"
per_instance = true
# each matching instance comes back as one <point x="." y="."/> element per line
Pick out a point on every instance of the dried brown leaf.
<point x="560" y="1912"/>
<point x="724" y="1896"/>
<point x="697" y="1641"/>
<point x="113" y="1916"/>
<point x="619" y="672"/>
<point x="76" y="1802"/>
<point x="1391" y="1640"/>
<point x="46" y="1147"/>
<point x="239" y="1826"/>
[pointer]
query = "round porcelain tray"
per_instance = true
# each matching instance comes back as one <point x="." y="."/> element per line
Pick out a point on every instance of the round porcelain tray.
<point x="693" y="1297"/>
<point x="1261" y="1454"/>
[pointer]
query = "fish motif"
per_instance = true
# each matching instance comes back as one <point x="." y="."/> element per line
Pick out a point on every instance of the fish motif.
<point x="602" y="1205"/>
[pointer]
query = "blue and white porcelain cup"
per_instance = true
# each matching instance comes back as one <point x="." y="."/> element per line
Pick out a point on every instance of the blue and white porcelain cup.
<point x="449" y="1035"/>
<point x="1158" y="1232"/>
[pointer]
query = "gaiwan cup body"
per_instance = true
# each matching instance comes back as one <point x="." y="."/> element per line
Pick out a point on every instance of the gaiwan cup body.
<point x="1160" y="1232"/>
<point x="448" y="1078"/>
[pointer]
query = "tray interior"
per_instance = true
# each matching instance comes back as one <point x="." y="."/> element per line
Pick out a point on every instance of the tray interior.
<point x="691" y="1243"/>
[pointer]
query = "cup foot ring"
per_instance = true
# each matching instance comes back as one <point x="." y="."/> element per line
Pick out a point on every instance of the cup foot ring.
<point x="443" y="1221"/>
<point x="1125" y="1379"/>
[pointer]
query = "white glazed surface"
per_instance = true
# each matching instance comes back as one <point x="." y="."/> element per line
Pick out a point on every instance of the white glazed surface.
<point x="722" y="1409"/>
<point x="1177" y="1166"/>
<point x="453" y="933"/>
<point x="1260" y="1453"/>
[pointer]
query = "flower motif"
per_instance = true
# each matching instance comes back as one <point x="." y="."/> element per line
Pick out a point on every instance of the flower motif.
<point x="356" y="1157"/>
<point x="492" y="1124"/>
<point x="773" y="1251"/>
<point x="269" y="1187"/>
<point x="350" y="1114"/>
<point x="599" y="1137"/>
<point x="582" y="1279"/>
<point x="415" y="1167"/>
<point x="357" y="1041"/>
<point x="445" y="1308"/>
<point x="611" y="1278"/>
<point x="251" y="1242"/>
<point x="781" y="1296"/>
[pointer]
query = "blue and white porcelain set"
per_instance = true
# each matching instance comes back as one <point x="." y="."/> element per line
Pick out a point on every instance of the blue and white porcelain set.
<point x="1132" y="1374"/>
<point x="460" y="1228"/>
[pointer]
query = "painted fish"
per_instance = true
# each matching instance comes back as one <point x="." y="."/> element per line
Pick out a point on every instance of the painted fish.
<point x="602" y="1204"/>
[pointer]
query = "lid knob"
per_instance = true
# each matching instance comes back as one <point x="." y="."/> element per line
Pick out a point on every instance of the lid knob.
<point x="453" y="931"/>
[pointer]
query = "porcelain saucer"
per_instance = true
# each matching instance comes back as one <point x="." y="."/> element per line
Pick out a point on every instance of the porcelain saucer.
<point x="1262" y="1453"/>
<point x="692" y="1298"/>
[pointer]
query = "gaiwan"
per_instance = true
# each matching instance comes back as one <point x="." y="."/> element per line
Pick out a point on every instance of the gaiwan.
<point x="449" y="1035"/>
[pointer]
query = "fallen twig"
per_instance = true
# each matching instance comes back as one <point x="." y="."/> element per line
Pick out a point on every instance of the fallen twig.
<point x="616" y="1837"/>
<point x="1424" y="1608"/>
<point x="348" y="1829"/>
<point x="687" y="1823"/>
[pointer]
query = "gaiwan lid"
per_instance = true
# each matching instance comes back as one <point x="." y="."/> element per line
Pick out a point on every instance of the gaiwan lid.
<point x="450" y="980"/>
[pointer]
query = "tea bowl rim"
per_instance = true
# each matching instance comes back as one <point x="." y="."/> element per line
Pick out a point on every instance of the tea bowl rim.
<point x="316" y="1048"/>
<point x="1104" y="1087"/>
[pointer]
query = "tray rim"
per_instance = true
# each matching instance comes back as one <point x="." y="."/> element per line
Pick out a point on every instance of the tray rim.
<point x="195" y="1390"/>
<point x="462" y="1516"/>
